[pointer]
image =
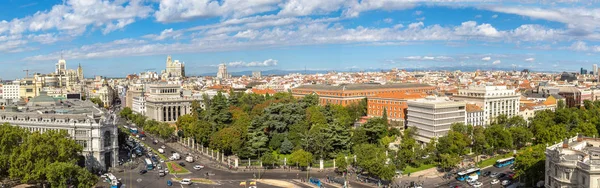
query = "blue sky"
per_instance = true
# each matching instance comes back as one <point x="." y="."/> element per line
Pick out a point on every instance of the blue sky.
<point x="119" y="37"/>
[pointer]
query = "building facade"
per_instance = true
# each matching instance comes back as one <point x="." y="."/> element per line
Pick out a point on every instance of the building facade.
<point x="475" y="115"/>
<point x="393" y="103"/>
<point x="88" y="125"/>
<point x="174" y="68"/>
<point x="571" y="94"/>
<point x="11" y="91"/>
<point x="352" y="93"/>
<point x="165" y="103"/>
<point x="222" y="72"/>
<point x="575" y="162"/>
<point x="433" y="117"/>
<point x="139" y="105"/>
<point x="494" y="100"/>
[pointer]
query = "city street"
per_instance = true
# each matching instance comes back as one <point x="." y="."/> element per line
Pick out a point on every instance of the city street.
<point x="130" y="177"/>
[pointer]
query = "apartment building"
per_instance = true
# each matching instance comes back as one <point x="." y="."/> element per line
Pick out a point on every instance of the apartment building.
<point x="494" y="100"/>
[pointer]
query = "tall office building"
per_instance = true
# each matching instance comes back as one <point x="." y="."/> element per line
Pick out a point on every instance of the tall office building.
<point x="222" y="73"/>
<point x="595" y="69"/>
<point x="433" y="117"/>
<point x="494" y="100"/>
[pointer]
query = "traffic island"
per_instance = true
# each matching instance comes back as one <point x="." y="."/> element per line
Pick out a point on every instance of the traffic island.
<point x="175" y="168"/>
<point x="197" y="180"/>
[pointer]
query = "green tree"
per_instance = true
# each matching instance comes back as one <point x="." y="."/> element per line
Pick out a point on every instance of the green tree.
<point x="126" y="112"/>
<point x="453" y="143"/>
<point x="448" y="160"/>
<point x="530" y="164"/>
<point x="586" y="129"/>
<point x="184" y="122"/>
<point x="314" y="115"/>
<point x="62" y="174"/>
<point x="498" y="137"/>
<point x="286" y="146"/>
<point x="560" y="104"/>
<point x="227" y="140"/>
<point x="479" y="140"/>
<point x="301" y="158"/>
<point x="375" y="129"/>
<point x="10" y="138"/>
<point x="311" y="100"/>
<point x="269" y="159"/>
<point x="29" y="160"/>
<point x="521" y="136"/>
<point x="341" y="163"/>
<point x="373" y="159"/>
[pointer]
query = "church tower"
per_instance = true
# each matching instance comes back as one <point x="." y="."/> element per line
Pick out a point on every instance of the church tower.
<point x="80" y="73"/>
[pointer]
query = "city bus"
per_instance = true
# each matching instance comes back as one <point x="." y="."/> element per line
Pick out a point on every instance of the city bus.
<point x="133" y="130"/>
<point x="464" y="175"/>
<point x="149" y="164"/>
<point x="504" y="162"/>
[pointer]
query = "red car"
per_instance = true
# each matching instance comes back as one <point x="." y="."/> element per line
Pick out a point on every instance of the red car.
<point x="511" y="175"/>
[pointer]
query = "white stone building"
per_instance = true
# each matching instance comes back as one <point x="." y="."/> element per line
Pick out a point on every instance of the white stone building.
<point x="87" y="124"/>
<point x="432" y="117"/>
<point x="165" y="103"/>
<point x="474" y="115"/>
<point x="222" y="72"/>
<point x="175" y="68"/>
<point x="494" y="100"/>
<point x="11" y="91"/>
<point x="139" y="105"/>
<point x="574" y="162"/>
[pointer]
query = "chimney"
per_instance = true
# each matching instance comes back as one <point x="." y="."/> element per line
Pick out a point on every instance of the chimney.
<point x="565" y="143"/>
<point x="579" y="137"/>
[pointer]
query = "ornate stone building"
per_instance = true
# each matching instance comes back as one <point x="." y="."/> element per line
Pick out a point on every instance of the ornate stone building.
<point x="174" y="68"/>
<point x="573" y="163"/>
<point x="165" y="103"/>
<point x="87" y="124"/>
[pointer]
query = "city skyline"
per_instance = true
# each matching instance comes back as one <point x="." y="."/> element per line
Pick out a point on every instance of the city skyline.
<point x="137" y="35"/>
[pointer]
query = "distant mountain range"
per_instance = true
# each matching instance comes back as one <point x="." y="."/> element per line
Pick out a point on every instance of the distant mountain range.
<point x="447" y="68"/>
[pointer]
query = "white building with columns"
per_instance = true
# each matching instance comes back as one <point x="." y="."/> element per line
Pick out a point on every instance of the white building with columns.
<point x="494" y="100"/>
<point x="166" y="103"/>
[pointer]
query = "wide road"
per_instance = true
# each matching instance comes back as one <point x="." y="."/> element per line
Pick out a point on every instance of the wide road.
<point x="486" y="181"/>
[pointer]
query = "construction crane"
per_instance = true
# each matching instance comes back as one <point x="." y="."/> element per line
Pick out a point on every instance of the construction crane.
<point x="26" y="73"/>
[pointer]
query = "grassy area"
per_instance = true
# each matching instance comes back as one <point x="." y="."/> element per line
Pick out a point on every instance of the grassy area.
<point x="491" y="161"/>
<point x="197" y="180"/>
<point x="174" y="168"/>
<point x="410" y="169"/>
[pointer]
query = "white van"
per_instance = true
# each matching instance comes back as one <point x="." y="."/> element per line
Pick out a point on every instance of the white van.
<point x="160" y="150"/>
<point x="186" y="181"/>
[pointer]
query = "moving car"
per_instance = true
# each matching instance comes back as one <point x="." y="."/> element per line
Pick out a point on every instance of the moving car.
<point x="163" y="147"/>
<point x="494" y="174"/>
<point x="143" y="171"/>
<point x="495" y="181"/>
<point x="169" y="183"/>
<point x="487" y="173"/>
<point x="198" y="167"/>
<point x="186" y="181"/>
<point x="506" y="182"/>
<point x="181" y="164"/>
<point x="477" y="184"/>
<point x="160" y="150"/>
<point x="161" y="173"/>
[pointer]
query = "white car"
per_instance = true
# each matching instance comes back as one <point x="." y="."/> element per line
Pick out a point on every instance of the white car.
<point x="495" y="181"/>
<point x="166" y="170"/>
<point x="163" y="147"/>
<point x="162" y="161"/>
<point x="506" y="182"/>
<point x="477" y="184"/>
<point x="198" y="167"/>
<point x="186" y="181"/>
<point x="254" y="186"/>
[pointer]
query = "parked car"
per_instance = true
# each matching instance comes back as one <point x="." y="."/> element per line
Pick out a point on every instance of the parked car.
<point x="161" y="173"/>
<point x="198" y="167"/>
<point x="169" y="183"/>
<point x="155" y="142"/>
<point x="506" y="182"/>
<point x="186" y="181"/>
<point x="143" y="171"/>
<point x="494" y="175"/>
<point x="477" y="184"/>
<point x="487" y="173"/>
<point x="163" y="147"/>
<point x="495" y="181"/>
<point x="501" y="175"/>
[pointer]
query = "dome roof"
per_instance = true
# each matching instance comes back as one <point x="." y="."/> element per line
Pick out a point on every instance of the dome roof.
<point x="42" y="100"/>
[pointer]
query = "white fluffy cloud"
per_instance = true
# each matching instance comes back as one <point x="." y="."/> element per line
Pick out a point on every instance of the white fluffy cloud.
<point x="165" y="34"/>
<point x="486" y="58"/>
<point x="531" y="59"/>
<point x="496" y="62"/>
<point x="583" y="46"/>
<point x="265" y="63"/>
<point x="183" y="10"/>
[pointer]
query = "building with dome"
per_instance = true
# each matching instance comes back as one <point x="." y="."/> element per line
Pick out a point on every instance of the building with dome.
<point x="86" y="123"/>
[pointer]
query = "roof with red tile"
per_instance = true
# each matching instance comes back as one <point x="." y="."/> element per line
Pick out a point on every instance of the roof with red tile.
<point x="263" y="91"/>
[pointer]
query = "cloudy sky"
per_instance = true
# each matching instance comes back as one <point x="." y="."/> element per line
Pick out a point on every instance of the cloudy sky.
<point x="118" y="37"/>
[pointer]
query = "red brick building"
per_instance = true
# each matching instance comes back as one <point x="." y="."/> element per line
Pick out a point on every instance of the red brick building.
<point x="351" y="93"/>
<point x="394" y="103"/>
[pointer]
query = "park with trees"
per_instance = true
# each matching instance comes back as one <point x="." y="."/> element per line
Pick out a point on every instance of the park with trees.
<point x="271" y="127"/>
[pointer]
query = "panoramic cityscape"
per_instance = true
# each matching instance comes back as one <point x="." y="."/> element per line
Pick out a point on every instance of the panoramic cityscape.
<point x="299" y="93"/>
